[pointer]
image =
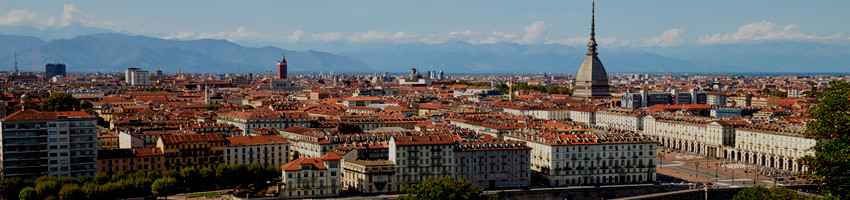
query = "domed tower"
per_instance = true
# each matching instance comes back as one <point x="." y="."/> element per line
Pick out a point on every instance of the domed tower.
<point x="592" y="80"/>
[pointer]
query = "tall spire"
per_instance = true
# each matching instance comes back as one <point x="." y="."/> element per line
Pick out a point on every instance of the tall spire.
<point x="591" y="46"/>
<point x="16" y="63"/>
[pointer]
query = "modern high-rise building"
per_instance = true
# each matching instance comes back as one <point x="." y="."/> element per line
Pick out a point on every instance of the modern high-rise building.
<point x="592" y="80"/>
<point x="281" y="67"/>
<point x="158" y="73"/>
<point x="62" y="144"/>
<point x="54" y="69"/>
<point x="136" y="76"/>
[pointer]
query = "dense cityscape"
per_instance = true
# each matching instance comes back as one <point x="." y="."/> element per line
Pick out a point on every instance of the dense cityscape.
<point x="148" y="133"/>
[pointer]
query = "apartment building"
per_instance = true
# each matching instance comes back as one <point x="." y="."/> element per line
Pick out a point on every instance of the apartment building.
<point x="192" y="150"/>
<point x="312" y="177"/>
<point x="418" y="158"/>
<point x="130" y="160"/>
<point x="250" y="120"/>
<point x="620" y="118"/>
<point x="772" y="145"/>
<point x="266" y="150"/>
<point x="700" y="135"/>
<point x="538" y="112"/>
<point x="491" y="163"/>
<point x="369" y="176"/>
<point x="589" y="157"/>
<point x="62" y="144"/>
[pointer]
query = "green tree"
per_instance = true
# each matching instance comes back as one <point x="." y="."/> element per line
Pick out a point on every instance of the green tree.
<point x="10" y="187"/>
<point x="164" y="186"/>
<point x="212" y="107"/>
<point x="60" y="101"/>
<point x="207" y="176"/>
<point x="101" y="178"/>
<point x="28" y="193"/>
<point x="446" y="188"/>
<point x="46" y="186"/>
<point x="223" y="174"/>
<point x="71" y="191"/>
<point x="829" y="167"/>
<point x="774" y="193"/>
<point x="190" y="175"/>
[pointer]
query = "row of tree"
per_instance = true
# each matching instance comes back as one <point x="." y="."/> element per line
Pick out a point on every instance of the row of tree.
<point x="504" y="88"/>
<point x="143" y="183"/>
<point x="60" y="101"/>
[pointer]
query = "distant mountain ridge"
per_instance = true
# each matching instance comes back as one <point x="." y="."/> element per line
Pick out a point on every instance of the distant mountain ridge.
<point x="110" y="51"/>
<point x="113" y="52"/>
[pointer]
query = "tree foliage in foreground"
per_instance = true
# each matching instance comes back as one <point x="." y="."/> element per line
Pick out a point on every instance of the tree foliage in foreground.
<point x="829" y="167"/>
<point x="142" y="183"/>
<point x="446" y="188"/>
<point x="775" y="193"/>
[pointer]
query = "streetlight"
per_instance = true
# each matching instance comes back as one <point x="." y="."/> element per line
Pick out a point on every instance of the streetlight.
<point x="716" y="167"/>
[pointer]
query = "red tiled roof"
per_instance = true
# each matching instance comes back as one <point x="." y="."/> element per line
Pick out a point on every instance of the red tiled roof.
<point x="30" y="114"/>
<point x="331" y="156"/>
<point x="424" y="139"/>
<point x="296" y="164"/>
<point x="176" y="139"/>
<point x="251" y="140"/>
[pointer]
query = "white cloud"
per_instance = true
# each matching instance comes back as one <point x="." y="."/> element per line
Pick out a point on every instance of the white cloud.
<point x="532" y="32"/>
<point x="183" y="35"/>
<point x="70" y="16"/>
<point x="463" y="34"/>
<point x="24" y="17"/>
<point x="672" y="37"/>
<point x="583" y="40"/>
<point x="296" y="36"/>
<point x="241" y="33"/>
<point x="327" y="37"/>
<point x="763" y="31"/>
<point x="375" y="36"/>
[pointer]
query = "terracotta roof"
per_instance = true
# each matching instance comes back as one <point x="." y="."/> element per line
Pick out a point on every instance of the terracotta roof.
<point x="295" y="165"/>
<point x="176" y="139"/>
<point x="331" y="156"/>
<point x="252" y="140"/>
<point x="30" y="114"/>
<point x="424" y="139"/>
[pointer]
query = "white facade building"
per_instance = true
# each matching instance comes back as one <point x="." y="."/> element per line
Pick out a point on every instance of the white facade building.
<point x="583" y="158"/>
<point x="61" y="144"/>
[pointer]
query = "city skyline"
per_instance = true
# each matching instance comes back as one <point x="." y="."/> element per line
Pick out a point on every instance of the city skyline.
<point x="626" y="23"/>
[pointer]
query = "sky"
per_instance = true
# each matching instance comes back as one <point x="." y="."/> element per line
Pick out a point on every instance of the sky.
<point x="627" y="23"/>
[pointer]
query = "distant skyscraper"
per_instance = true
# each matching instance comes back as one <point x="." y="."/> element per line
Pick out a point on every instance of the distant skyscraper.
<point x="136" y="76"/>
<point x="592" y="80"/>
<point x="281" y="67"/>
<point x="54" y="69"/>
<point x="158" y="73"/>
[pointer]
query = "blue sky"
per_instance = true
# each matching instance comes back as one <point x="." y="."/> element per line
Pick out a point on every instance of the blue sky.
<point x="619" y="22"/>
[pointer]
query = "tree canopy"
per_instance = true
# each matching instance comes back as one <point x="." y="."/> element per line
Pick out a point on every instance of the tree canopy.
<point x="446" y="188"/>
<point x="61" y="101"/>
<point x="760" y="192"/>
<point x="164" y="186"/>
<point x="830" y="165"/>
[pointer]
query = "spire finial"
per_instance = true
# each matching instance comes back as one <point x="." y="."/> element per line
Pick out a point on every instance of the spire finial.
<point x="591" y="46"/>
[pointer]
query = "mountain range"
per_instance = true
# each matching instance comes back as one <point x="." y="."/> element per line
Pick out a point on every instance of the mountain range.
<point x="94" y="51"/>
